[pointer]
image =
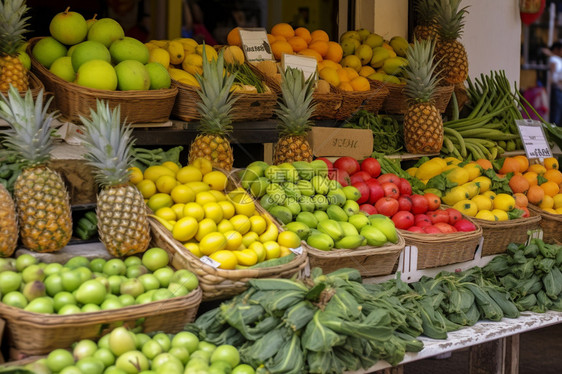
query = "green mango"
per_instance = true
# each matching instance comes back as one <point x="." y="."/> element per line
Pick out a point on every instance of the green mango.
<point x="299" y="228"/>
<point x="308" y="219"/>
<point x="337" y="213"/>
<point x="385" y="225"/>
<point x="320" y="241"/>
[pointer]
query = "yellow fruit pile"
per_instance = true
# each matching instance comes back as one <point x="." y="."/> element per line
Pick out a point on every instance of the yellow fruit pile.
<point x="192" y="203"/>
<point x="373" y="57"/>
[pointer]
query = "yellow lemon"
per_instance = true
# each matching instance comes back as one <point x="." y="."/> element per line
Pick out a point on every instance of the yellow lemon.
<point x="439" y="161"/>
<point x="178" y="210"/>
<point x="553" y="211"/>
<point x="289" y="239"/>
<point x="224" y="226"/>
<point x="284" y="251"/>
<point x="166" y="183"/>
<point x="226" y="259"/>
<point x="500" y="214"/>
<point x="233" y="239"/>
<point x="135" y="175"/>
<point x="205" y="197"/>
<point x="166" y="213"/>
<point x="473" y="171"/>
<point x="212" y="242"/>
<point x="259" y="249"/>
<point x="504" y="202"/>
<point x="452" y="160"/>
<point x="557" y="201"/>
<point x="270" y="233"/>
<point x="547" y="202"/>
<point x="189" y="174"/>
<point x="218" y="195"/>
<point x="472" y="188"/>
<point x="558" y="210"/>
<point x="213" y="211"/>
<point x="156" y="171"/>
<point x="193" y="248"/>
<point x="159" y="200"/>
<point x="490" y="194"/>
<point x="450" y="167"/>
<point x="486" y="215"/>
<point x="412" y="171"/>
<point x="466" y="207"/>
<point x="193" y="210"/>
<point x="258" y="224"/>
<point x="249" y="238"/>
<point x="198" y="186"/>
<point x="458" y="175"/>
<point x="216" y="179"/>
<point x="206" y="226"/>
<point x="241" y="223"/>
<point x="182" y="194"/>
<point x="246" y="257"/>
<point x="185" y="229"/>
<point x="429" y="169"/>
<point x="203" y="164"/>
<point x="228" y="209"/>
<point x="482" y="202"/>
<point x="455" y="195"/>
<point x="171" y="165"/>
<point x="146" y="187"/>
<point x="483" y="182"/>
<point x="272" y="250"/>
<point x="159" y="55"/>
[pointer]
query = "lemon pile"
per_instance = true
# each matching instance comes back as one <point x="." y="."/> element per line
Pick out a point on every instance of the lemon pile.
<point x="192" y="203"/>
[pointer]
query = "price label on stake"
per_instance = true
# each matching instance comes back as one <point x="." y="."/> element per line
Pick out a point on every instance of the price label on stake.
<point x="297" y="251"/>
<point x="533" y="138"/>
<point x="307" y="64"/>
<point x="209" y="261"/>
<point x="255" y="44"/>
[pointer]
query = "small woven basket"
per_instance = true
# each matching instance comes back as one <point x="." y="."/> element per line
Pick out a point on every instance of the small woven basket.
<point x="396" y="102"/>
<point x="327" y="104"/>
<point x="370" y="261"/>
<point x="37" y="334"/>
<point x="436" y="250"/>
<point x="498" y="234"/>
<point x="34" y="85"/>
<point x="551" y="224"/>
<point x="352" y="101"/>
<point x="72" y="100"/>
<point x="376" y="101"/>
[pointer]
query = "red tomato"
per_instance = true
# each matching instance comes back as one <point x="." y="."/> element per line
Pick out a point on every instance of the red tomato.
<point x="391" y="190"/>
<point x="419" y="204"/>
<point x="360" y="176"/>
<point x="405" y="187"/>
<point x="348" y="164"/>
<point x="340" y="175"/>
<point x="328" y="162"/>
<point x="433" y="200"/>
<point x="422" y="220"/>
<point x="375" y="191"/>
<point x="445" y="227"/>
<point x="403" y="220"/>
<point x="438" y="216"/>
<point x="405" y="203"/>
<point x="416" y="229"/>
<point x="525" y="211"/>
<point x="371" y="165"/>
<point x="389" y="177"/>
<point x="368" y="208"/>
<point x="465" y="225"/>
<point x="431" y="230"/>
<point x="387" y="206"/>
<point x="454" y="215"/>
<point x="363" y="190"/>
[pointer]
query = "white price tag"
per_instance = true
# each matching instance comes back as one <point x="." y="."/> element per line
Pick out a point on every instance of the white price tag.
<point x="209" y="261"/>
<point x="533" y="138"/>
<point x="297" y="251"/>
<point x="255" y="44"/>
<point x="307" y="64"/>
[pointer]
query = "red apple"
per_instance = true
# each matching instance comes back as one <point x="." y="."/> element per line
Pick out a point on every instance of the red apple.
<point x="422" y="220"/>
<point x="372" y="166"/>
<point x="433" y="200"/>
<point x="405" y="203"/>
<point x="328" y="162"/>
<point x="445" y="227"/>
<point x="405" y="187"/>
<point x="348" y="164"/>
<point x="403" y="220"/>
<point x="387" y="206"/>
<point x="438" y="215"/>
<point x="419" y="204"/>
<point x="454" y="215"/>
<point x="375" y="191"/>
<point x="431" y="230"/>
<point x="390" y="190"/>
<point x="389" y="177"/>
<point x="368" y="208"/>
<point x="360" y="176"/>
<point x="363" y="190"/>
<point x="416" y="229"/>
<point x="465" y="225"/>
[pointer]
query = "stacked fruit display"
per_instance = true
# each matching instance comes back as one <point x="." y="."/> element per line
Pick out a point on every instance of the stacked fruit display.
<point x="123" y="351"/>
<point x="97" y="54"/>
<point x="192" y="203"/>
<point x="81" y="285"/>
<point x="373" y="57"/>
<point x="322" y="211"/>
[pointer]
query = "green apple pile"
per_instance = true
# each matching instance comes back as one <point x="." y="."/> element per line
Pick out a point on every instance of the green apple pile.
<point x="124" y="352"/>
<point x="81" y="285"/>
<point x="302" y="197"/>
<point x="97" y="54"/>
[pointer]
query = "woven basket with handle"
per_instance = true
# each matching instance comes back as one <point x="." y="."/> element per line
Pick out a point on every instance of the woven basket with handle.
<point x="551" y="224"/>
<point x="72" y="100"/>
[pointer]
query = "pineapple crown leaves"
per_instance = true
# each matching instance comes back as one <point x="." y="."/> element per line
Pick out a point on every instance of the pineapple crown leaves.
<point x="426" y="11"/>
<point x="216" y="97"/>
<point x="420" y="75"/>
<point x="12" y="25"/>
<point x="109" y="145"/>
<point x="295" y="104"/>
<point x="29" y="136"/>
<point x="450" y="18"/>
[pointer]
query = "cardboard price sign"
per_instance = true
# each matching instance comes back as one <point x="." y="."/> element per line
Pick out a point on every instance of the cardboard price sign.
<point x="307" y="64"/>
<point x="255" y="44"/>
<point x="534" y="139"/>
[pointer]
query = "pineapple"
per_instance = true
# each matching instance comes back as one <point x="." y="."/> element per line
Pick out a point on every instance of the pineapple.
<point x="41" y="198"/>
<point x="453" y="61"/>
<point x="216" y="103"/>
<point x="294" y="112"/>
<point x="122" y="223"/>
<point x="423" y="125"/>
<point x="8" y="223"/>
<point x="12" y="27"/>
<point x="426" y="27"/>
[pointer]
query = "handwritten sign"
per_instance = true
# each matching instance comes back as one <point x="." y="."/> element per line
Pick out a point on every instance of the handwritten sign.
<point x="307" y="64"/>
<point x="255" y="44"/>
<point x="534" y="139"/>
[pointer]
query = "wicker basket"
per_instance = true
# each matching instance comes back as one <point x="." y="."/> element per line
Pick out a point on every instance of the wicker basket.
<point x="73" y="100"/>
<point x="352" y="101"/>
<point x="37" y="334"/>
<point x="327" y="105"/>
<point x="370" y="261"/>
<point x="497" y="235"/>
<point x="551" y="225"/>
<point x="379" y="94"/>
<point x="397" y="103"/>
<point x="436" y="250"/>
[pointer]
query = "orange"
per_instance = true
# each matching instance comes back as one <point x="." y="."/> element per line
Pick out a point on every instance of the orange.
<point x="531" y="177"/>
<point x="345" y="86"/>
<point x="283" y="29"/>
<point x="553" y="175"/>
<point x="320" y="35"/>
<point x="520" y="200"/>
<point x="328" y="64"/>
<point x="510" y="165"/>
<point x="535" y="194"/>
<point x="311" y="53"/>
<point x="303" y="33"/>
<point x="351" y="73"/>
<point x="297" y="43"/>
<point x="360" y="84"/>
<point x="279" y="47"/>
<point x="366" y="70"/>
<point x="344" y="77"/>
<point x="485" y="164"/>
<point x="233" y="37"/>
<point x="523" y="163"/>
<point x="537" y="168"/>
<point x="280" y="38"/>
<point x="319" y="46"/>
<point x="551" y="163"/>
<point x="519" y="183"/>
<point x="550" y="188"/>
<point x="271" y="38"/>
<point x="335" y="52"/>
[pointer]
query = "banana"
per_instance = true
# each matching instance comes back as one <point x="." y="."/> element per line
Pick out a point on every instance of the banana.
<point x="331" y="228"/>
<point x="270" y="234"/>
<point x="187" y="43"/>
<point x="164" y="223"/>
<point x="160" y="43"/>
<point x="183" y="77"/>
<point x="350" y="242"/>
<point x="176" y="51"/>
